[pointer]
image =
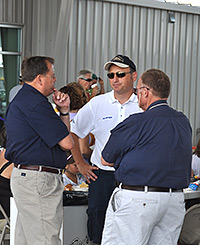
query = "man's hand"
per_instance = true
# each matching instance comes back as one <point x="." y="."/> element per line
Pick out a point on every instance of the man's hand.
<point x="103" y="162"/>
<point x="95" y="91"/>
<point x="86" y="170"/>
<point x="62" y="101"/>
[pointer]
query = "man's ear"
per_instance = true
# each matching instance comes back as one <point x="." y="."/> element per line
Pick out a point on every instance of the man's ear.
<point x="134" y="76"/>
<point x="39" y="79"/>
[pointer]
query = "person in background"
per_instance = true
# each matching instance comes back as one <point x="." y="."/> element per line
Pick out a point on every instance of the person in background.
<point x="94" y="88"/>
<point x="15" y="89"/>
<point x="151" y="153"/>
<point x="99" y="116"/>
<point x="196" y="160"/>
<point x="6" y="168"/>
<point x="77" y="100"/>
<point x="71" y="174"/>
<point x="84" y="78"/>
<point x="37" y="141"/>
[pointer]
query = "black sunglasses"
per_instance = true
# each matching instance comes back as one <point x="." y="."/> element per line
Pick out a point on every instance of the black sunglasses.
<point x="119" y="74"/>
<point x="86" y="79"/>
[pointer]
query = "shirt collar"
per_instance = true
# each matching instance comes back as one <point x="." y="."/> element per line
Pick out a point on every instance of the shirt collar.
<point x="29" y="87"/>
<point x="132" y="99"/>
<point x="158" y="102"/>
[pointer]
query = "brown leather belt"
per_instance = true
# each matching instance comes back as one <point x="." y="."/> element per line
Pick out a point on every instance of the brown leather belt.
<point x="39" y="168"/>
<point x="149" y="188"/>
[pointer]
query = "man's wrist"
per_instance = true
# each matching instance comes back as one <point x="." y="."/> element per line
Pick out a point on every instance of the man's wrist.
<point x="64" y="113"/>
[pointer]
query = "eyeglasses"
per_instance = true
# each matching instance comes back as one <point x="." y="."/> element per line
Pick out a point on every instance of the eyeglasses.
<point x="136" y="90"/>
<point x="86" y="79"/>
<point x="119" y="74"/>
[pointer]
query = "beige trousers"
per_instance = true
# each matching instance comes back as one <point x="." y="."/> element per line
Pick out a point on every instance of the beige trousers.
<point x="38" y="197"/>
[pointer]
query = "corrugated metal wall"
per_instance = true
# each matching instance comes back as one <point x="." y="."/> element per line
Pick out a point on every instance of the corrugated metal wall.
<point x="100" y="29"/>
<point x="11" y="11"/>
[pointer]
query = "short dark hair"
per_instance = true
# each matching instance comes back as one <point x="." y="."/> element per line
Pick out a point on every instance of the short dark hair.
<point x="158" y="81"/>
<point x="33" y="66"/>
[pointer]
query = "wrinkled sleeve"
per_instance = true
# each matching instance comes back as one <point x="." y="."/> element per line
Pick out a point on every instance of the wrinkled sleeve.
<point x="121" y="139"/>
<point x="47" y="124"/>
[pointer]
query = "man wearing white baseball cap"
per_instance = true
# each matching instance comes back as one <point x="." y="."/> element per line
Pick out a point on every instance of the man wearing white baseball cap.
<point x="104" y="112"/>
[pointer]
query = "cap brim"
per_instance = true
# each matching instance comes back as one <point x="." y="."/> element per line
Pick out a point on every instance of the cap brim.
<point x="109" y="63"/>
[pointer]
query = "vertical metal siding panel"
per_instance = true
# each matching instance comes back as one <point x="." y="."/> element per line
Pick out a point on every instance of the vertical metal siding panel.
<point x="149" y="39"/>
<point x="121" y="30"/>
<point x="28" y="19"/>
<point x="72" y="49"/>
<point x="96" y="52"/>
<point x="181" y="63"/>
<point x="135" y="52"/>
<point x="175" y="67"/>
<point x="114" y="29"/>
<point x="2" y="11"/>
<point x="106" y="29"/>
<point x="128" y="31"/>
<point x="42" y="30"/>
<point x="35" y="28"/>
<point x="169" y="47"/>
<point x="197" y="101"/>
<point x="19" y="11"/>
<point x="188" y="65"/>
<point x="91" y="27"/>
<point x="163" y="41"/>
<point x="142" y="39"/>
<point x="11" y="11"/>
<point x="156" y="39"/>
<point x="81" y="35"/>
<point x="194" y="82"/>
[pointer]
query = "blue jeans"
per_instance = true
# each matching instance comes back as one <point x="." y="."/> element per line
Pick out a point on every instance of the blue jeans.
<point x="100" y="192"/>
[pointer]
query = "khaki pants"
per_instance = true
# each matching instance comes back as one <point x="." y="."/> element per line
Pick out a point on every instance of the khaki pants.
<point x="2" y="223"/>
<point x="38" y="197"/>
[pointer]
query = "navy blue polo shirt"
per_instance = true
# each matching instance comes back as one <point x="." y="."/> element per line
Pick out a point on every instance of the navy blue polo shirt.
<point x="153" y="148"/>
<point x="34" y="130"/>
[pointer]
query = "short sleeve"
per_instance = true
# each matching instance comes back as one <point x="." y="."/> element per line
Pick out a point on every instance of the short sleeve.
<point x="82" y="123"/>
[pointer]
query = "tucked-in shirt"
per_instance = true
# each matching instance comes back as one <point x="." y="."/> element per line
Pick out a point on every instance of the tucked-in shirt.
<point x="34" y="130"/>
<point x="101" y="114"/>
<point x="153" y="148"/>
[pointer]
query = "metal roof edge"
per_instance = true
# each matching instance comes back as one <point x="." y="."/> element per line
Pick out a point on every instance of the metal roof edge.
<point x="158" y="5"/>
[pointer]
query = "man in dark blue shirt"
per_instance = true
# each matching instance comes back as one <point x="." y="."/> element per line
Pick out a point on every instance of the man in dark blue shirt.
<point x="151" y="153"/>
<point x="37" y="140"/>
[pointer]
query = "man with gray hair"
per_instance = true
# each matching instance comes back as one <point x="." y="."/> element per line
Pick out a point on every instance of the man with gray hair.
<point x="151" y="153"/>
<point x="84" y="78"/>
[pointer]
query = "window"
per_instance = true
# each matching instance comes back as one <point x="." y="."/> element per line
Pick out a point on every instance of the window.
<point x="10" y="60"/>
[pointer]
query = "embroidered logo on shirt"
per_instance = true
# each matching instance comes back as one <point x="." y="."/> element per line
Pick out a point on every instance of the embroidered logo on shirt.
<point x="107" y="117"/>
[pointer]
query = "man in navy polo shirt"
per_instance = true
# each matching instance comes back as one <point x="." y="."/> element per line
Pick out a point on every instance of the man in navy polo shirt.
<point x="151" y="153"/>
<point x="37" y="140"/>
